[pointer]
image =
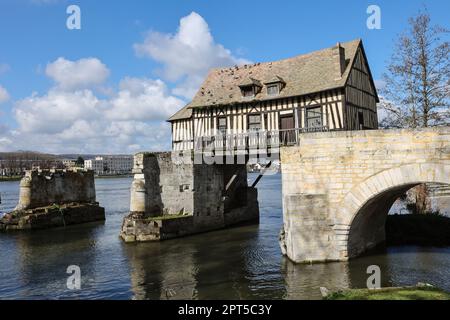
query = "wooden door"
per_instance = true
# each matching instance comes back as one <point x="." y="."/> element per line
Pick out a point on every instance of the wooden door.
<point x="287" y="126"/>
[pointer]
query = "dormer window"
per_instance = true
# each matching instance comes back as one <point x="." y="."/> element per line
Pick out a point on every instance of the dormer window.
<point x="273" y="89"/>
<point x="248" y="91"/>
<point x="250" y="87"/>
<point x="274" y="85"/>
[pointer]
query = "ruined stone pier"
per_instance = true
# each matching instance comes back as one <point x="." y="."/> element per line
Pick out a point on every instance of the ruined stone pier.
<point x="54" y="198"/>
<point x="173" y="197"/>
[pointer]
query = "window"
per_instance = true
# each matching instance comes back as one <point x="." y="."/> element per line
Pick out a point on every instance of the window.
<point x="254" y="122"/>
<point x="274" y="85"/>
<point x="314" y="117"/>
<point x="222" y="125"/>
<point x="273" y="89"/>
<point x="248" y="91"/>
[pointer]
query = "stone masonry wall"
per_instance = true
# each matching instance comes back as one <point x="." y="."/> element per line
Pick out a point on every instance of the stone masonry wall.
<point x="46" y="187"/>
<point x="334" y="185"/>
<point x="169" y="185"/>
<point x="214" y="195"/>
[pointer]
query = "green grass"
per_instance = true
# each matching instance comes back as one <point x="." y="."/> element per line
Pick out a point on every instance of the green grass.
<point x="112" y="176"/>
<point x="415" y="293"/>
<point x="12" y="178"/>
<point x="169" y="217"/>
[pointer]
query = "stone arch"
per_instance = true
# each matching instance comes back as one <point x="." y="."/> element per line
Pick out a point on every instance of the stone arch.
<point x="360" y="221"/>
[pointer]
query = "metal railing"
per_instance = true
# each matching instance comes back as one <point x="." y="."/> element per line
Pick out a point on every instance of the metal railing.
<point x="252" y="139"/>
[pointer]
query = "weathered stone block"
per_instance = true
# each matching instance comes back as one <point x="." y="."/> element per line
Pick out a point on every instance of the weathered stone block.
<point x="199" y="197"/>
<point x="52" y="216"/>
<point x="347" y="174"/>
<point x="54" y="198"/>
<point x="40" y="188"/>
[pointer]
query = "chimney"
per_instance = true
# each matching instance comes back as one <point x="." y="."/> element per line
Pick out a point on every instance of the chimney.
<point x="339" y="60"/>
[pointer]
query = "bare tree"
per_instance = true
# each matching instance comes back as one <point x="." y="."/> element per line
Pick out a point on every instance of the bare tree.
<point x="417" y="85"/>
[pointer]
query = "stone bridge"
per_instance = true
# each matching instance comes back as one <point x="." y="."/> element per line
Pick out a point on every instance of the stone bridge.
<point x="338" y="187"/>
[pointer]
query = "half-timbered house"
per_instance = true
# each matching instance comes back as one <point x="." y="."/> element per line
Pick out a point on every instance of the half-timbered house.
<point x="330" y="89"/>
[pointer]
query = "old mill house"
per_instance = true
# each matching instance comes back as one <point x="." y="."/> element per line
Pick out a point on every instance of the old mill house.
<point x="273" y="102"/>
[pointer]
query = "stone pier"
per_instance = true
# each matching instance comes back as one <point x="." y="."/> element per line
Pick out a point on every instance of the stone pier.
<point x="338" y="187"/>
<point x="172" y="197"/>
<point x="54" y="198"/>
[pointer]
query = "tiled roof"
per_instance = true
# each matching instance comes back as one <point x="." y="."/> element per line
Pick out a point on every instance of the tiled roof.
<point x="250" y="81"/>
<point x="184" y="113"/>
<point x="274" y="79"/>
<point x="301" y="75"/>
<point x="304" y="74"/>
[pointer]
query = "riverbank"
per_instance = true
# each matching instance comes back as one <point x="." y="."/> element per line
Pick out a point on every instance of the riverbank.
<point x="10" y="178"/>
<point x="18" y="178"/>
<point x="418" y="229"/>
<point x="112" y="176"/>
<point x="423" y="292"/>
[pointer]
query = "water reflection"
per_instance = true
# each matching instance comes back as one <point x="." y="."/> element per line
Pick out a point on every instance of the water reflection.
<point x="239" y="263"/>
<point x="38" y="256"/>
<point x="215" y="265"/>
<point x="304" y="281"/>
<point x="158" y="274"/>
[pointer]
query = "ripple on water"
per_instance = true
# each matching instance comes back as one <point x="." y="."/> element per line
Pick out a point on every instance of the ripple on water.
<point x="238" y="263"/>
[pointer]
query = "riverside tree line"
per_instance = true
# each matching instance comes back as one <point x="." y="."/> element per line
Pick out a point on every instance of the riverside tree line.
<point x="15" y="163"/>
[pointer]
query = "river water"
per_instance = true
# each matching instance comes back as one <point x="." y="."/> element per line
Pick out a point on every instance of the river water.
<point x="239" y="263"/>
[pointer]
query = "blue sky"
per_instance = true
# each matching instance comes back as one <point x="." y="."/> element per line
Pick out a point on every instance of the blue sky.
<point x="130" y="57"/>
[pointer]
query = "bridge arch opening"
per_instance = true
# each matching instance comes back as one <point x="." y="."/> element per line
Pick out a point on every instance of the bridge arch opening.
<point x="368" y="210"/>
<point x="368" y="228"/>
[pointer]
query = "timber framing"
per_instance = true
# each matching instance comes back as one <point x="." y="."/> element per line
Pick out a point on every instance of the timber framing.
<point x="337" y="82"/>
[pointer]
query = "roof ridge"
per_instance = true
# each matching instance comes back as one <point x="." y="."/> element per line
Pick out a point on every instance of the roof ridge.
<point x="302" y="74"/>
<point x="359" y="40"/>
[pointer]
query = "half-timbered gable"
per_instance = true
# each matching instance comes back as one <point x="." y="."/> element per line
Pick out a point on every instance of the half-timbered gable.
<point x="361" y="95"/>
<point x="331" y="89"/>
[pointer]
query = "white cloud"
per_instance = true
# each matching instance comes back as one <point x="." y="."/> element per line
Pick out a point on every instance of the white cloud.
<point x="56" y="110"/>
<point x="72" y="118"/>
<point x="83" y="73"/>
<point x="4" y="95"/>
<point x="78" y="120"/>
<point x="188" y="54"/>
<point x="143" y="99"/>
<point x="96" y="136"/>
<point x="5" y="143"/>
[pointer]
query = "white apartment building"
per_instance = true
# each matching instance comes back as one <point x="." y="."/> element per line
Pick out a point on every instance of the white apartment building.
<point x="120" y="164"/>
<point x="94" y="165"/>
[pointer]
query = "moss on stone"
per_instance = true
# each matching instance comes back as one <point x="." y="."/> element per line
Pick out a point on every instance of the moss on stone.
<point x="168" y="217"/>
<point x="11" y="178"/>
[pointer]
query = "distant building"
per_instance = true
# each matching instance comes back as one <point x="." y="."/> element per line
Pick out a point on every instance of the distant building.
<point x="15" y="163"/>
<point x="69" y="163"/>
<point x="271" y="168"/>
<point x="95" y="165"/>
<point x="121" y="164"/>
<point x="253" y="167"/>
